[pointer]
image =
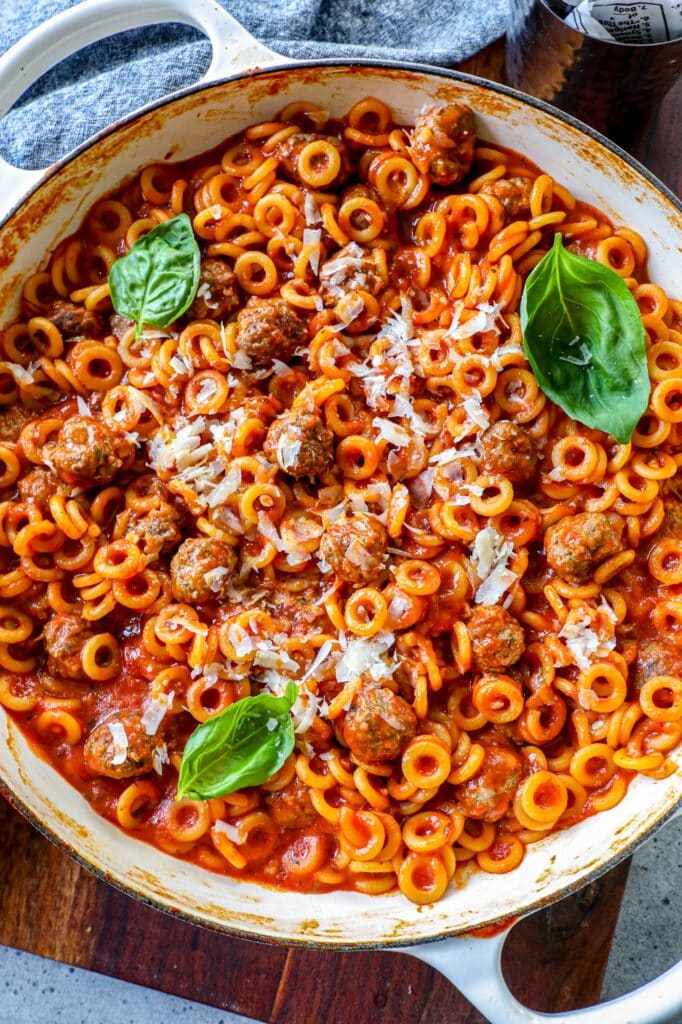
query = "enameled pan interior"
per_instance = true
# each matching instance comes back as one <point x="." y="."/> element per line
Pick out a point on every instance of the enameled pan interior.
<point x="196" y="121"/>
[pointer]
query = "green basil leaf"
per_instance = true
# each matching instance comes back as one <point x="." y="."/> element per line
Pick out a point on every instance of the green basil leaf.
<point x="243" y="745"/>
<point x="584" y="338"/>
<point x="157" y="280"/>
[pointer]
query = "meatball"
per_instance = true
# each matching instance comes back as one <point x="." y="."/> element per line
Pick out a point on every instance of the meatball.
<point x="576" y="545"/>
<point x="672" y="520"/>
<point x="289" y="150"/>
<point x="349" y="269"/>
<point x="497" y="639"/>
<point x="12" y="421"/>
<point x="513" y="194"/>
<point x="509" y="451"/>
<point x="300" y="443"/>
<point x="194" y="570"/>
<point x="85" y="452"/>
<point x="119" y="753"/>
<point x="442" y="143"/>
<point x="655" y="658"/>
<point x="218" y="292"/>
<point x="159" y="530"/>
<point x="291" y="807"/>
<point x="378" y="724"/>
<point x="39" y="485"/>
<point x="354" y="547"/>
<point x="268" y="329"/>
<point x="36" y="602"/>
<point x="489" y="793"/>
<point x="75" y="321"/>
<point x="64" y="637"/>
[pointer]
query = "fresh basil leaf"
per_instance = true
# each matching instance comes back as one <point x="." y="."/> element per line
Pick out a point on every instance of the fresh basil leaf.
<point x="584" y="338"/>
<point x="157" y="280"/>
<point x="243" y="745"/>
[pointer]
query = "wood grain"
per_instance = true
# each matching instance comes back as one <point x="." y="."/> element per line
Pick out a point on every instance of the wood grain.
<point x="49" y="905"/>
<point x="554" y="960"/>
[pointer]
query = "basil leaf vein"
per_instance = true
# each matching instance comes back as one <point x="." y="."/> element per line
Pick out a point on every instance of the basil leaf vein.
<point x="157" y="280"/>
<point x="244" y="745"/>
<point x="584" y="339"/>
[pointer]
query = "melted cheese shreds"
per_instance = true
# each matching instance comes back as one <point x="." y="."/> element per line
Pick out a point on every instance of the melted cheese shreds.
<point x="21" y="375"/>
<point x="119" y="739"/>
<point x="155" y="712"/>
<point x="489" y="556"/>
<point x="215" y="578"/>
<point x="233" y="832"/>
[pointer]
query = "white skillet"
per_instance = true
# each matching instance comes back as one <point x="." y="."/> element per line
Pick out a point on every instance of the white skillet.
<point x="246" y="83"/>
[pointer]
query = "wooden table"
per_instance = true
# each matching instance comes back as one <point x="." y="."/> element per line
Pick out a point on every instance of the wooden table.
<point x="553" y="961"/>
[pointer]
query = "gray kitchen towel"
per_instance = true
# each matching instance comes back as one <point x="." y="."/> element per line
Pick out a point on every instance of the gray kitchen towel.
<point x="109" y="79"/>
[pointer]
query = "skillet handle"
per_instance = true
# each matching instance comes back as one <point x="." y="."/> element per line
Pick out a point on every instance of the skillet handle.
<point x="234" y="51"/>
<point x="474" y="967"/>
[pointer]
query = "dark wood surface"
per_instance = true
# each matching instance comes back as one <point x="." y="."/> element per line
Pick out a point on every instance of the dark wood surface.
<point x="554" y="960"/>
<point x="49" y="905"/>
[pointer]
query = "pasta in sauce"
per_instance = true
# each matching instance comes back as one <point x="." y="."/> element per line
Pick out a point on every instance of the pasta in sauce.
<point x="337" y="467"/>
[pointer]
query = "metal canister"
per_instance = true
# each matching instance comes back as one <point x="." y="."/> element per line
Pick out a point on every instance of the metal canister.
<point x="609" y="85"/>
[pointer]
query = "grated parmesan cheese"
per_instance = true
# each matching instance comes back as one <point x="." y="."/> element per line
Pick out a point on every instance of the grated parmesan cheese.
<point x="485" y="319"/>
<point x="365" y="656"/>
<point x="288" y="449"/>
<point x="215" y="578"/>
<point x="241" y="361"/>
<point x="475" y="410"/>
<point x="581" y="639"/>
<point x="233" y="832"/>
<point x="390" y="432"/>
<point x="160" y="758"/>
<point x="489" y="556"/>
<point x="313" y="236"/>
<point x="311" y="210"/>
<point x="319" y="660"/>
<point x="155" y="712"/>
<point x="119" y="739"/>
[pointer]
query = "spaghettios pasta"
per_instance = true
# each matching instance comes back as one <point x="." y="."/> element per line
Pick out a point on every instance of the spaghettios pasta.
<point x="336" y="467"/>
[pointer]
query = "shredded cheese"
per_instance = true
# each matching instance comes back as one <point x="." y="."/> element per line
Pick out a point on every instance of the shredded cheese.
<point x="489" y="556"/>
<point x="155" y="712"/>
<point x="119" y="739"/>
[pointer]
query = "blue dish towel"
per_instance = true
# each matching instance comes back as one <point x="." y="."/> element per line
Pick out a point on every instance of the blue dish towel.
<point x="110" y="79"/>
